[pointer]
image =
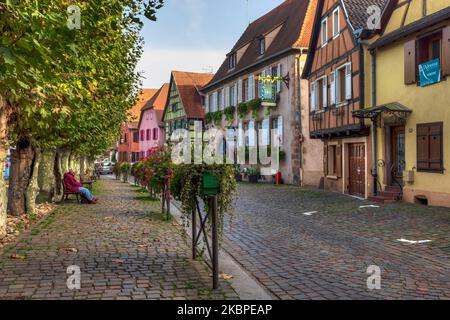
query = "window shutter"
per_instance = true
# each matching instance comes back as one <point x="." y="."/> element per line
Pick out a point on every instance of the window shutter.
<point x="446" y="52"/>
<point x="251" y="87"/>
<point x="241" y="134"/>
<point x="207" y="103"/>
<point x="423" y="155"/>
<point x="348" y="81"/>
<point x="339" y="161"/>
<point x="313" y="96"/>
<point x="239" y="95"/>
<point x="331" y="154"/>
<point x="333" y="88"/>
<point x="410" y="62"/>
<point x="324" y="91"/>
<point x="280" y="129"/>
<point x="215" y="101"/>
<point x="279" y="81"/>
<point x="435" y="138"/>
<point x="235" y="95"/>
<point x="222" y="106"/>
<point x="325" y="160"/>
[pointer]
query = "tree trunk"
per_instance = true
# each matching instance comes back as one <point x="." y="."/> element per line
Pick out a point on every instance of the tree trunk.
<point x="33" y="186"/>
<point x="57" y="172"/>
<point x="4" y="114"/>
<point x="65" y="162"/>
<point x="46" y="178"/>
<point x="20" y="173"/>
<point x="83" y="168"/>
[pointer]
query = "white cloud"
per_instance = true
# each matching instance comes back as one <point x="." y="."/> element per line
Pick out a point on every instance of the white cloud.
<point x="157" y="63"/>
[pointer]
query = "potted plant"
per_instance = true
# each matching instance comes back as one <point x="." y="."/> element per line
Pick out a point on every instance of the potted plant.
<point x="252" y="174"/>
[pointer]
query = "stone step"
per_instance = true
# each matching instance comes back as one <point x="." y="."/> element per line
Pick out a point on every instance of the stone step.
<point x="390" y="195"/>
<point x="381" y="199"/>
<point x="396" y="189"/>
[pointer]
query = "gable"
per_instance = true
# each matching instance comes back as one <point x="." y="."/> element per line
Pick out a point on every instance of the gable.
<point x="407" y="12"/>
<point x="174" y="106"/>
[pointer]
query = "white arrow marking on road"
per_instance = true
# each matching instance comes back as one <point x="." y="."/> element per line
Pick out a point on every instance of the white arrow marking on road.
<point x="310" y="213"/>
<point x="413" y="242"/>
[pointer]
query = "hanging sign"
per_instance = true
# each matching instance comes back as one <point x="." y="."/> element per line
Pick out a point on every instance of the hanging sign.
<point x="268" y="92"/>
<point x="430" y="72"/>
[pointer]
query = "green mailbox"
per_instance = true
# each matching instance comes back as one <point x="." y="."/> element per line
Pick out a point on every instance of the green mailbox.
<point x="210" y="184"/>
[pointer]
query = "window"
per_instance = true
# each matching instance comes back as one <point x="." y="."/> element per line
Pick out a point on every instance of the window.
<point x="155" y="133"/>
<point x="333" y="166"/>
<point x="277" y="125"/>
<point x="142" y="135"/>
<point x="210" y="103"/>
<point x="343" y="78"/>
<point x="321" y="93"/>
<point x="149" y="134"/>
<point x="136" y="136"/>
<point x="425" y="49"/>
<point x="430" y="147"/>
<point x="429" y="48"/>
<point x="232" y="60"/>
<point x="151" y="115"/>
<point x="324" y="32"/>
<point x="174" y="107"/>
<point x="262" y="46"/>
<point x="232" y="95"/>
<point x="336" y="23"/>
<point x="264" y="132"/>
<point x="125" y="139"/>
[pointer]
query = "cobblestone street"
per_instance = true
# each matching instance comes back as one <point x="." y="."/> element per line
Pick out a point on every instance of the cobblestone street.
<point x="123" y="248"/>
<point x="325" y="253"/>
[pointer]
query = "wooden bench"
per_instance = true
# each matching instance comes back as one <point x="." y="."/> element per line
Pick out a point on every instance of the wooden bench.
<point x="66" y="194"/>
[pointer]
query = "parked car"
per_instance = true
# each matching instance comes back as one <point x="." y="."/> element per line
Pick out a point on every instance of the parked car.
<point x="106" y="167"/>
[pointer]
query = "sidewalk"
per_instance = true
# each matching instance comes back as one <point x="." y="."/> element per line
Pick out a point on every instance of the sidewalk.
<point x="122" y="247"/>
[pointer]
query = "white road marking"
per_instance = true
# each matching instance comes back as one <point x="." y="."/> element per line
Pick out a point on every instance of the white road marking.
<point x="413" y="242"/>
<point x="310" y="213"/>
<point x="369" y="206"/>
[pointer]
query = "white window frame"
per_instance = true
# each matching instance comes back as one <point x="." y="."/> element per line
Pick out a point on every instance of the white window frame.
<point x="343" y="100"/>
<point x="324" y="89"/>
<point x="323" y="40"/>
<point x="337" y="32"/>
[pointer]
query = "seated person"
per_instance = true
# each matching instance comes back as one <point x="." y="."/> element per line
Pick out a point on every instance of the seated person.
<point x="72" y="185"/>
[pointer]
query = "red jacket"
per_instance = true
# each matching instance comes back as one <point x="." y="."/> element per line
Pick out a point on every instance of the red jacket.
<point x="72" y="185"/>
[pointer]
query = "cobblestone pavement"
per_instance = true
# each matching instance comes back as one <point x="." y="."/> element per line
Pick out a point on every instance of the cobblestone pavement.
<point x="122" y="246"/>
<point x="325" y="255"/>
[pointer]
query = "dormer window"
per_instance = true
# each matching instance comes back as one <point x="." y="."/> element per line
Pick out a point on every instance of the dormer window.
<point x="232" y="58"/>
<point x="262" y="46"/>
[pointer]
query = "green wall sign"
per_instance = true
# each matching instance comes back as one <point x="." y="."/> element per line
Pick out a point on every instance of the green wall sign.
<point x="268" y="93"/>
<point x="430" y="72"/>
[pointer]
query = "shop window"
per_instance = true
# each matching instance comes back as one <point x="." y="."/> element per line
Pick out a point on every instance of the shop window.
<point x="333" y="165"/>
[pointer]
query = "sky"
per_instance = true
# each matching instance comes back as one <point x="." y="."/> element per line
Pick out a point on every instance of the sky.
<point x="195" y="35"/>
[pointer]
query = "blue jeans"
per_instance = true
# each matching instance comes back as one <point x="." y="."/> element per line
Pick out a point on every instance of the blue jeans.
<point x="86" y="193"/>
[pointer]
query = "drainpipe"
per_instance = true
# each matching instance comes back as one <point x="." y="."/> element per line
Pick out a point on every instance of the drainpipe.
<point x="373" y="55"/>
<point x="299" y="114"/>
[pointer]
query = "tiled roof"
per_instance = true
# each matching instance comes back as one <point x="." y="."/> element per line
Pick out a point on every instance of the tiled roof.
<point x="158" y="101"/>
<point x="357" y="11"/>
<point x="135" y="112"/>
<point x="189" y="85"/>
<point x="296" y="18"/>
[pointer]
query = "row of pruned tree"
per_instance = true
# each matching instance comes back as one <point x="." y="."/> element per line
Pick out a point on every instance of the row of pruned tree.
<point x="65" y="88"/>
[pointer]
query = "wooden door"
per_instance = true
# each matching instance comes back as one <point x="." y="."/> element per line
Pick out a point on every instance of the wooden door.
<point x="357" y="169"/>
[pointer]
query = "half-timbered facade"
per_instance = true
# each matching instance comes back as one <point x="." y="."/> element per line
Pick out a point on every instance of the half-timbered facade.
<point x="184" y="102"/>
<point x="410" y="109"/>
<point x="335" y="70"/>
<point x="274" y="45"/>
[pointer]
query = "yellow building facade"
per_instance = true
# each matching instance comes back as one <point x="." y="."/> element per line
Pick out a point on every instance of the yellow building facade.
<point x="411" y="103"/>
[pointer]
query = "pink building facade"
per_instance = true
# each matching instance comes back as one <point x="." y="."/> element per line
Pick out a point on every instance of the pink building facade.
<point x="151" y="128"/>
